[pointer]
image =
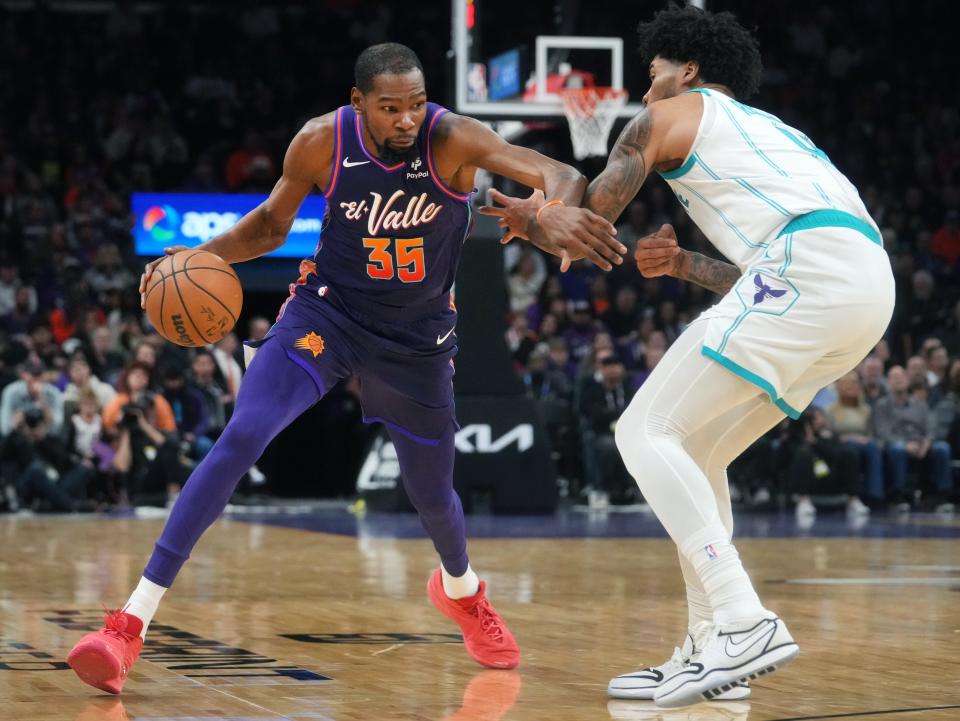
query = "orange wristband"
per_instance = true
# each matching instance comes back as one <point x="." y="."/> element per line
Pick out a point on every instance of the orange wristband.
<point x="547" y="205"/>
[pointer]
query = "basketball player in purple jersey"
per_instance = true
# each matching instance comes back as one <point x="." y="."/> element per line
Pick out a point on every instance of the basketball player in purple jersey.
<point x="375" y="301"/>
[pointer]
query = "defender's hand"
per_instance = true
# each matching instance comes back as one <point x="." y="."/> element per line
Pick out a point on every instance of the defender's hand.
<point x="658" y="253"/>
<point x="148" y="271"/>
<point x="580" y="233"/>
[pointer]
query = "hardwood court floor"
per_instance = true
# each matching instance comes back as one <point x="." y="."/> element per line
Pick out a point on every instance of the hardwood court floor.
<point x="276" y="623"/>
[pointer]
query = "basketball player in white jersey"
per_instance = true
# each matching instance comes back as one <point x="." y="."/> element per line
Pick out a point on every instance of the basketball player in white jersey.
<point x="808" y="294"/>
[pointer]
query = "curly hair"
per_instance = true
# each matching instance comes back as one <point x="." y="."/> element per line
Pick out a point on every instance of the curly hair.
<point x="726" y="51"/>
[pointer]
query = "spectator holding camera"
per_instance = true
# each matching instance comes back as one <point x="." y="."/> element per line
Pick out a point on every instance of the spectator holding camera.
<point x="147" y="446"/>
<point x="39" y="466"/>
<point x="28" y="393"/>
<point x="905" y="426"/>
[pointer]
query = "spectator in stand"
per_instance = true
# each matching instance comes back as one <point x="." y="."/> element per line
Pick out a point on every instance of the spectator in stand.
<point x="83" y="380"/>
<point x="147" y="446"/>
<point x="249" y="161"/>
<point x="873" y="382"/>
<point x="17" y="321"/>
<point x="602" y="401"/>
<point x="946" y="240"/>
<point x="919" y="314"/>
<point x="947" y="412"/>
<point x="258" y="328"/>
<point x="44" y="473"/>
<point x="213" y="393"/>
<point x="622" y="318"/>
<point x="83" y="435"/>
<point x="905" y="427"/>
<point x="10" y="284"/>
<point x="816" y="463"/>
<point x="849" y="419"/>
<point x="108" y="271"/>
<point x="917" y="379"/>
<point x="521" y="340"/>
<point x="937" y="364"/>
<point x="525" y="281"/>
<point x="189" y="411"/>
<point x="579" y="335"/>
<point x="651" y="359"/>
<point x="31" y="393"/>
<point x="225" y="354"/>
<point x="105" y="362"/>
<point x="559" y="358"/>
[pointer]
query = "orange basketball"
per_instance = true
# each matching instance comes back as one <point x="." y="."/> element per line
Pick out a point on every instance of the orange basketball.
<point x="193" y="298"/>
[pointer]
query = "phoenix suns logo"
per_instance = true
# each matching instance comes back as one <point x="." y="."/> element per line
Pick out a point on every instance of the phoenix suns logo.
<point x="311" y="342"/>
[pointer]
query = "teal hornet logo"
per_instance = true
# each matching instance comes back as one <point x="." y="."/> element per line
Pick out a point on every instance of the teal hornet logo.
<point x="162" y="222"/>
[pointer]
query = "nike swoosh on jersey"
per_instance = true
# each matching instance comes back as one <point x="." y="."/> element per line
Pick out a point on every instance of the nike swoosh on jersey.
<point x="348" y="164"/>
<point x="738" y="648"/>
<point x="442" y="338"/>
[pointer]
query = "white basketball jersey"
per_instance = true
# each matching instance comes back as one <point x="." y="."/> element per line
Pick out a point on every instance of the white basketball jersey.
<point x="748" y="174"/>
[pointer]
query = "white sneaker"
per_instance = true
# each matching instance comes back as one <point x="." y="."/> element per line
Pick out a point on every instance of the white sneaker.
<point x="730" y="656"/>
<point x="805" y="507"/>
<point x="856" y="507"/>
<point x="642" y="684"/>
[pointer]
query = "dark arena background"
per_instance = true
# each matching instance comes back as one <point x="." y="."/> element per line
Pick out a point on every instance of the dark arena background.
<point x="126" y="127"/>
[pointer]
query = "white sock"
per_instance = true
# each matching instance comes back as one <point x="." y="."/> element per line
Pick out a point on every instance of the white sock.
<point x="144" y="601"/>
<point x="725" y="582"/>
<point x="698" y="605"/>
<point x="460" y="586"/>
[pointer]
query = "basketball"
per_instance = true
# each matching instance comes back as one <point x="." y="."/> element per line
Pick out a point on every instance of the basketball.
<point x="193" y="298"/>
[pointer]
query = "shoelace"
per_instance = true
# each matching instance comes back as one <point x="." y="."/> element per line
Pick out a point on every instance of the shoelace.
<point x="116" y="624"/>
<point x="677" y="661"/>
<point x="490" y="623"/>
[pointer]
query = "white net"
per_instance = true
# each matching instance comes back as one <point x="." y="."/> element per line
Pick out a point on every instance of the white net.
<point x="591" y="112"/>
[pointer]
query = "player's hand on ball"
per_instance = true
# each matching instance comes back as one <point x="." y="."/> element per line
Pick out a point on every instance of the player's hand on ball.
<point x="148" y="271"/>
<point x="658" y="253"/>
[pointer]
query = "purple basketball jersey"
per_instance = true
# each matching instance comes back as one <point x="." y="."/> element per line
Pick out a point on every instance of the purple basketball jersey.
<point x="392" y="235"/>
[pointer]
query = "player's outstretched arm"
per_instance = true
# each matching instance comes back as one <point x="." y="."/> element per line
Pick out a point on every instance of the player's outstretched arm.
<point x="563" y="227"/>
<point x="265" y="228"/>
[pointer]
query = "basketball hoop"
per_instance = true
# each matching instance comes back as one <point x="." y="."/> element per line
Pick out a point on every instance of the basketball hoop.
<point x="591" y="112"/>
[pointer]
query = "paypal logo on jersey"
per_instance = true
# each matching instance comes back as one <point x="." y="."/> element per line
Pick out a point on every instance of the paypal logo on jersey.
<point x="417" y="173"/>
<point x="189" y="219"/>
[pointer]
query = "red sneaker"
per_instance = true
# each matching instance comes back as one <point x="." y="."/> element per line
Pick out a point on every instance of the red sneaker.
<point x="486" y="636"/>
<point x="104" y="658"/>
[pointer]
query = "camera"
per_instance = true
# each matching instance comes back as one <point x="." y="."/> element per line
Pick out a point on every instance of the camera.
<point x="32" y="417"/>
<point x="132" y="411"/>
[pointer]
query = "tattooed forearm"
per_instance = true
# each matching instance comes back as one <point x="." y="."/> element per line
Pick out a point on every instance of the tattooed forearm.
<point x="715" y="275"/>
<point x="626" y="170"/>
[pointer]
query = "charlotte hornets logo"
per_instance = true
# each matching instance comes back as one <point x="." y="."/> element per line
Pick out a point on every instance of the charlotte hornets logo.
<point x="761" y="291"/>
<point x="764" y="291"/>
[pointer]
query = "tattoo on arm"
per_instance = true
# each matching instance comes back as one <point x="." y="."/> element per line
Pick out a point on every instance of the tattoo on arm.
<point x="626" y="170"/>
<point x="715" y="275"/>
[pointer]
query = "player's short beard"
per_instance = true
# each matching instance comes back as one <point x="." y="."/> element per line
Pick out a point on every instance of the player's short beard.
<point x="390" y="156"/>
